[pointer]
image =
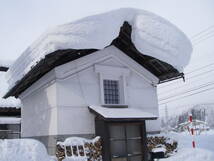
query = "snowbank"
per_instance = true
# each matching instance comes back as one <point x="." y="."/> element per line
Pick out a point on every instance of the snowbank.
<point x="204" y="147"/>
<point x="188" y="154"/>
<point x="23" y="150"/>
<point x="151" y="34"/>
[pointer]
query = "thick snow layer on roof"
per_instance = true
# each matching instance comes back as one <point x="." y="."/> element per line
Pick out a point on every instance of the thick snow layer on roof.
<point x="10" y="120"/>
<point x="23" y="150"/>
<point x="122" y="113"/>
<point x="151" y="34"/>
<point x="11" y="101"/>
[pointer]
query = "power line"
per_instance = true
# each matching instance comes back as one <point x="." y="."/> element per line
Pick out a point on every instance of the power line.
<point x="193" y="71"/>
<point x="187" y="91"/>
<point x="202" y="31"/>
<point x="193" y="89"/>
<point x="200" y="41"/>
<point x="202" y="36"/>
<point x="200" y="74"/>
<point x="199" y="68"/>
<point x="188" y="95"/>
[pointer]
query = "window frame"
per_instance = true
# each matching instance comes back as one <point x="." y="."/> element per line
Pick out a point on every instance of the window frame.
<point x="116" y="92"/>
<point x="113" y="73"/>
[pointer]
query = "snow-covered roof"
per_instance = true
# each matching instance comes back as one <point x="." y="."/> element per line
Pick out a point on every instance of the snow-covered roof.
<point x="11" y="101"/>
<point x="121" y="113"/>
<point x="152" y="35"/>
<point x="10" y="120"/>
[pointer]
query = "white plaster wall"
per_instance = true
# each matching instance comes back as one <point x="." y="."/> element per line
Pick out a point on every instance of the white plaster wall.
<point x="57" y="104"/>
<point x="39" y="112"/>
<point x="77" y="91"/>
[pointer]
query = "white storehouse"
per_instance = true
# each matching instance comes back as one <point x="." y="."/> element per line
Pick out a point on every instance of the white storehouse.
<point x="98" y="76"/>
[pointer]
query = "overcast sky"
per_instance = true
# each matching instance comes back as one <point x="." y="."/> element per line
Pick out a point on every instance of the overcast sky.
<point x="23" y="21"/>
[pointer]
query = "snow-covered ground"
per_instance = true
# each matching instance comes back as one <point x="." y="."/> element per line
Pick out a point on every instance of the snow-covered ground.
<point x="204" y="147"/>
<point x="32" y="150"/>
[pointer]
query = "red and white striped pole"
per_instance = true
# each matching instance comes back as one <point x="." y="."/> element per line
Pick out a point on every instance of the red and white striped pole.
<point x="192" y="131"/>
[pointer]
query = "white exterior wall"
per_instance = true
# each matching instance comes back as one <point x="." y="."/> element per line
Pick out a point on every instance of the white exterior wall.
<point x="60" y="106"/>
<point x="77" y="90"/>
<point x="39" y="111"/>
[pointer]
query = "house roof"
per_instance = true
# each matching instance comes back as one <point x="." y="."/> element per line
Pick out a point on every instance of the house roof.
<point x="150" y="40"/>
<point x="4" y="65"/>
<point x="112" y="114"/>
<point x="3" y="68"/>
<point x="10" y="111"/>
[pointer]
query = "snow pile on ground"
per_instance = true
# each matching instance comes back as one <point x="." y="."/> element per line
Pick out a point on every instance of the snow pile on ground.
<point x="151" y="34"/>
<point x="204" y="147"/>
<point x="11" y="101"/>
<point x="189" y="154"/>
<point x="23" y="150"/>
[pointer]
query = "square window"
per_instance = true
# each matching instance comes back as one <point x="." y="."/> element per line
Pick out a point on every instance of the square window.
<point x="111" y="91"/>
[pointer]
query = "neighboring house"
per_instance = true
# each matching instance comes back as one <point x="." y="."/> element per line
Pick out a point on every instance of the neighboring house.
<point x="10" y="122"/>
<point x="10" y="111"/>
<point x="91" y="78"/>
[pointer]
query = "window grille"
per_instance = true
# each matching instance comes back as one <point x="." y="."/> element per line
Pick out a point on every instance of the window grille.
<point x="111" y="91"/>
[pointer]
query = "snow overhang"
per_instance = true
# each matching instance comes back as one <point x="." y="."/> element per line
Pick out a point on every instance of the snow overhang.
<point x="121" y="113"/>
<point x="150" y="40"/>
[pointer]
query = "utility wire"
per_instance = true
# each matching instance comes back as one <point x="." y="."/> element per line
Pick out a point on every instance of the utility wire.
<point x="193" y="71"/>
<point x="202" y="36"/>
<point x="187" y="91"/>
<point x="196" y="35"/>
<point x="188" y="95"/>
<point x="200" y="41"/>
<point x="200" y="74"/>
